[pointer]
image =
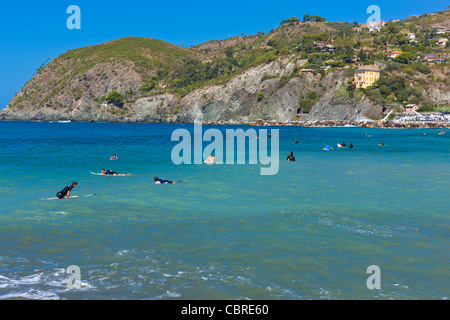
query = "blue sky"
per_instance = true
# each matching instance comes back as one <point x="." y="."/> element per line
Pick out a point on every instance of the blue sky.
<point x="33" y="31"/>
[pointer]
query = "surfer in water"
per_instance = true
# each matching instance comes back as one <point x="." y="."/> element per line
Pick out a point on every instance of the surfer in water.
<point x="160" y="181"/>
<point x="327" y="147"/>
<point x="350" y="145"/>
<point x="66" y="191"/>
<point x="291" y="157"/>
<point x="111" y="173"/>
<point x="114" y="157"/>
<point x="296" y="140"/>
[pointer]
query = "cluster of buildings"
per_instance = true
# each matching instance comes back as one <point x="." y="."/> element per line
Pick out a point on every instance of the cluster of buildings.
<point x="429" y="57"/>
<point x="376" y="25"/>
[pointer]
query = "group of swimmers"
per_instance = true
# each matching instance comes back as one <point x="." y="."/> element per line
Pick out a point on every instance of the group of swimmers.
<point x="65" y="193"/>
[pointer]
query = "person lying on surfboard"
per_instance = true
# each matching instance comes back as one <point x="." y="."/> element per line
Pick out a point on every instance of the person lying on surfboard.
<point x="66" y="191"/>
<point x="111" y="173"/>
<point x="114" y="157"/>
<point x="160" y="181"/>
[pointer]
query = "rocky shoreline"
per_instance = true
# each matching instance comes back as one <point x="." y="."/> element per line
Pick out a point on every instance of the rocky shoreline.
<point x="298" y="123"/>
<point x="343" y="123"/>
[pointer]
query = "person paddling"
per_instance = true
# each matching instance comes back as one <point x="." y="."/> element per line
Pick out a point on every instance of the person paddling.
<point x="66" y="191"/>
<point x="160" y="181"/>
<point x="111" y="173"/>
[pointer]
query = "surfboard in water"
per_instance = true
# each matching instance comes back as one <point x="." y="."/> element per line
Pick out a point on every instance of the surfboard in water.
<point x="71" y="197"/>
<point x="110" y="175"/>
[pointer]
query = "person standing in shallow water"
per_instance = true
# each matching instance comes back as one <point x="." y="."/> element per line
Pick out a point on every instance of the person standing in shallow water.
<point x="291" y="157"/>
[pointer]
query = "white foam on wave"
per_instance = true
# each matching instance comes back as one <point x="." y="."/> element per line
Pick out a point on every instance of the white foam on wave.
<point x="32" y="294"/>
<point x="6" y="282"/>
<point x="36" y="286"/>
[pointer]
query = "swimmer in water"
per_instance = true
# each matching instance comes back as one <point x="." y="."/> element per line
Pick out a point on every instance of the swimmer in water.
<point x="114" y="157"/>
<point x="327" y="147"/>
<point x="211" y="159"/>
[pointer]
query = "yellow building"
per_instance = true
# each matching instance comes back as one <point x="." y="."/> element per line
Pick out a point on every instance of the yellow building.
<point x="366" y="76"/>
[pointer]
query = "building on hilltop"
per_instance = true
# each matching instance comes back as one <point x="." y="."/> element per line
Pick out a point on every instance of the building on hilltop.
<point x="366" y="76"/>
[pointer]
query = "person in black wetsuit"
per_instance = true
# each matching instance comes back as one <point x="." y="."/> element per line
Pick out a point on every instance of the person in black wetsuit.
<point x="343" y="145"/>
<point x="66" y="191"/>
<point x="291" y="157"/>
<point x="160" y="181"/>
<point x="350" y="145"/>
<point x="111" y="173"/>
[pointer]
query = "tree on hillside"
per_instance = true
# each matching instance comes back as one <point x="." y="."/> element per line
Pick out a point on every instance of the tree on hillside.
<point x="115" y="98"/>
<point x="306" y="17"/>
<point x="316" y="18"/>
<point x="229" y="52"/>
<point x="404" y="57"/>
<point x="290" y="21"/>
<point x="362" y="55"/>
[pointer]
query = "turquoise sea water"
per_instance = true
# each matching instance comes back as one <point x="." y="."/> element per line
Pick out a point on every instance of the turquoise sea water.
<point x="309" y="232"/>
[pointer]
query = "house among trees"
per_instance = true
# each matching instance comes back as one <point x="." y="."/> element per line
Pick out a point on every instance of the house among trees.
<point x="376" y="25"/>
<point x="394" y="54"/>
<point x="412" y="37"/>
<point x="440" y="30"/>
<point x="411" y="108"/>
<point x="325" y="48"/>
<point x="431" y="57"/>
<point x="442" y="42"/>
<point x="366" y="76"/>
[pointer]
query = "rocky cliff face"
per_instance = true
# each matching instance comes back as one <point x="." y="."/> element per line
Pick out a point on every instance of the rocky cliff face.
<point x="239" y="99"/>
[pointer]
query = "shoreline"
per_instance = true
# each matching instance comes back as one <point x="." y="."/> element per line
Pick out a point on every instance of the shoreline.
<point x="340" y="124"/>
<point x="296" y="123"/>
